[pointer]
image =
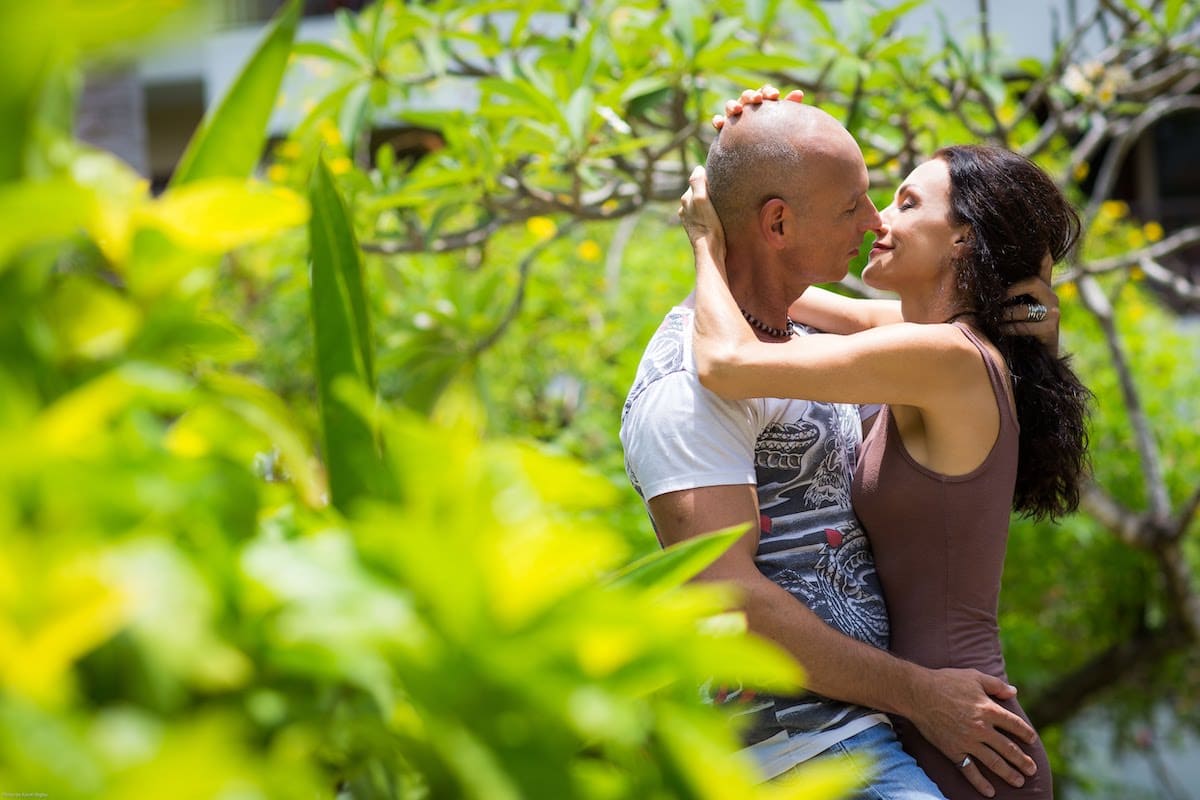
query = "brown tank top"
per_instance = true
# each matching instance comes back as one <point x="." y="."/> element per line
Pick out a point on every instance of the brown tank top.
<point x="939" y="545"/>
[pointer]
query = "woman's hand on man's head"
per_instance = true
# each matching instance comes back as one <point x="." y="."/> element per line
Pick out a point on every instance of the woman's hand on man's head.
<point x="753" y="97"/>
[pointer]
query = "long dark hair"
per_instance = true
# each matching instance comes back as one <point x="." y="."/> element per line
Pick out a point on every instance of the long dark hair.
<point x="1016" y="215"/>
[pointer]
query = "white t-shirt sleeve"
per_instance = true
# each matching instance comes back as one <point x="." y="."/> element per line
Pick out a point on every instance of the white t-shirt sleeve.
<point x="678" y="435"/>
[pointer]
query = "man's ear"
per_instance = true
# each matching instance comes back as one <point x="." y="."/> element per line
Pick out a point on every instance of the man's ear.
<point x="774" y="222"/>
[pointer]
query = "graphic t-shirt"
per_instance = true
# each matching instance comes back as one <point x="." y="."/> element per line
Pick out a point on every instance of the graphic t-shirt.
<point x="678" y="435"/>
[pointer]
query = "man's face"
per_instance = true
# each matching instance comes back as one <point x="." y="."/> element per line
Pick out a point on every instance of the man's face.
<point x="835" y="215"/>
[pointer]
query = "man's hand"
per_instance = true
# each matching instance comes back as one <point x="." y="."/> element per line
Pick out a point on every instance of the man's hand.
<point x="954" y="710"/>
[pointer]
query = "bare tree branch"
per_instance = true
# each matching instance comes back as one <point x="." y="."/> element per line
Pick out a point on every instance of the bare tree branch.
<point x="518" y="301"/>
<point x="1107" y="177"/>
<point x="1180" y="585"/>
<point x="1171" y="244"/>
<point x="1062" y="699"/>
<point x="1094" y="300"/>
<point x="1187" y="513"/>
<point x="1126" y="525"/>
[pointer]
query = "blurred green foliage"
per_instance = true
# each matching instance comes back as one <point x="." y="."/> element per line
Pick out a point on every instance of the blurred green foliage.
<point x="311" y="480"/>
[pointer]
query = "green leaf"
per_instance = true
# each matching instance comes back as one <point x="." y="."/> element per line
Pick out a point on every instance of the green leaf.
<point x="818" y="13"/>
<point x="762" y="13"/>
<point x="231" y="137"/>
<point x="684" y="16"/>
<point x="530" y="102"/>
<point x="1171" y="14"/>
<point x="884" y="21"/>
<point x="578" y="113"/>
<point x="353" y="115"/>
<point x="35" y="212"/>
<point x="343" y="346"/>
<point x="1143" y="11"/>
<point x="674" y="565"/>
<point x="266" y="412"/>
<point x="327" y="52"/>
<point x="215" y="215"/>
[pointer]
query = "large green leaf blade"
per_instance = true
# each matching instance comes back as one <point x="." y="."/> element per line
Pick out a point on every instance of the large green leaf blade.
<point x="341" y="332"/>
<point x="674" y="565"/>
<point x="230" y="140"/>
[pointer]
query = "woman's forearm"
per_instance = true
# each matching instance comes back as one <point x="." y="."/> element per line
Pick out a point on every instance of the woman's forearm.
<point x="834" y="313"/>
<point x="719" y="326"/>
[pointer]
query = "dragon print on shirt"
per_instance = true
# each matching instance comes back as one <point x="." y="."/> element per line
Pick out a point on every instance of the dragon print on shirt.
<point x="814" y="548"/>
<point x="810" y="542"/>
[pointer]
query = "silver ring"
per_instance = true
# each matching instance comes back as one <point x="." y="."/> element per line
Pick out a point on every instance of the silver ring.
<point x="1035" y="312"/>
<point x="966" y="762"/>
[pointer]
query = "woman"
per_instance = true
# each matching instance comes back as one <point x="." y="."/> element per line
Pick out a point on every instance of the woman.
<point x="975" y="422"/>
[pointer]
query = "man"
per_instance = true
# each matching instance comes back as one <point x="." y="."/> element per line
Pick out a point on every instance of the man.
<point x="790" y="186"/>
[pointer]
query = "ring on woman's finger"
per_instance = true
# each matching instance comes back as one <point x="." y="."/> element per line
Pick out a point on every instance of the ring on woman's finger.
<point x="966" y="762"/>
<point x="1035" y="312"/>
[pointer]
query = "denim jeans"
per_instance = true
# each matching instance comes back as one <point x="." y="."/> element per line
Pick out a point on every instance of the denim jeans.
<point x="888" y="773"/>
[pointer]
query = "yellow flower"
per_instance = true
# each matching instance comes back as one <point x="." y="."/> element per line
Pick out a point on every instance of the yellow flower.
<point x="277" y="173"/>
<point x="318" y="68"/>
<point x="588" y="250"/>
<point x="1153" y="231"/>
<point x="1132" y="305"/>
<point x="1136" y="274"/>
<point x="329" y="132"/>
<point x="1067" y="291"/>
<point x="1135" y="238"/>
<point x="185" y="441"/>
<point x="541" y="227"/>
<point x="609" y="206"/>
<point x="1081" y="171"/>
<point x="1114" y="209"/>
<point x="340" y="165"/>
<point x="290" y="149"/>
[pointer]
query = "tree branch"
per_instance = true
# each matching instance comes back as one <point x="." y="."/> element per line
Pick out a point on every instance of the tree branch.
<point x="1186" y="514"/>
<point x="1171" y="244"/>
<point x="1121" y="145"/>
<point x="514" y="307"/>
<point x="1062" y="699"/>
<point x="1094" y="300"/>
<point x="1128" y="526"/>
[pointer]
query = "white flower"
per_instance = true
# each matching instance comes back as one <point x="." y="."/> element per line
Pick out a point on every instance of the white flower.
<point x="1075" y="82"/>
<point x="613" y="119"/>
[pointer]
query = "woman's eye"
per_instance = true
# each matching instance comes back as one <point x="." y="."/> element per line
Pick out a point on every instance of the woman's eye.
<point x="907" y="204"/>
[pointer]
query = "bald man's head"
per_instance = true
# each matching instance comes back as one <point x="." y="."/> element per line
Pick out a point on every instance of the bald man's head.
<point x="772" y="150"/>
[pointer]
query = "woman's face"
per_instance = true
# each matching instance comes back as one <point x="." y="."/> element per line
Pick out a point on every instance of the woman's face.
<point x="917" y="239"/>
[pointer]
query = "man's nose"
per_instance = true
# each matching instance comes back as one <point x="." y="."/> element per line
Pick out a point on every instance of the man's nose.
<point x="875" y="219"/>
